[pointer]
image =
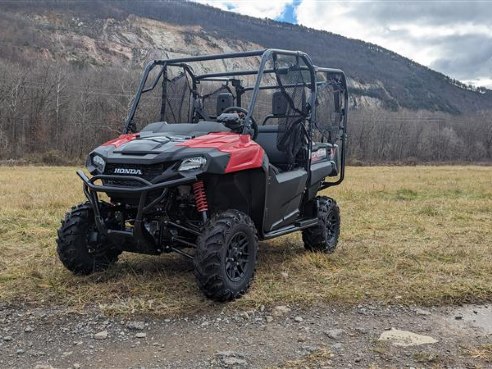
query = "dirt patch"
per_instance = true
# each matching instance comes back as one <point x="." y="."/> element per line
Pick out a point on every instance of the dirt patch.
<point x="320" y="336"/>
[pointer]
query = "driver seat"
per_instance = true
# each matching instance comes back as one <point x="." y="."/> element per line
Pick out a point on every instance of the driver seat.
<point x="224" y="100"/>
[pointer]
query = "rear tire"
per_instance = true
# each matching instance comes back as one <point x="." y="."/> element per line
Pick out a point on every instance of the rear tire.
<point x="324" y="236"/>
<point x="225" y="258"/>
<point x="74" y="243"/>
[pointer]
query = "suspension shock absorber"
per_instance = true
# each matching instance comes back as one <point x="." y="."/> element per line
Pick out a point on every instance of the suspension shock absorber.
<point x="200" y="199"/>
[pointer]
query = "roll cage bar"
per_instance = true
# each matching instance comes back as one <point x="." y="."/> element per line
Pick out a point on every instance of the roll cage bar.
<point x="343" y="137"/>
<point x="265" y="55"/>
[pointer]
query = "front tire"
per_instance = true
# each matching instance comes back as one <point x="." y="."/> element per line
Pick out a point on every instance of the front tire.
<point x="79" y="247"/>
<point x="225" y="258"/>
<point x="323" y="237"/>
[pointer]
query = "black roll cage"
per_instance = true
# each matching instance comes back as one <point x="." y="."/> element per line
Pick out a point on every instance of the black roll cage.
<point x="265" y="56"/>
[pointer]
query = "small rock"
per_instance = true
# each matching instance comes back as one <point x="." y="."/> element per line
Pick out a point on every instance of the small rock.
<point x="101" y="335"/>
<point x="76" y="366"/>
<point x="458" y="317"/>
<point x="7" y="338"/>
<point x="231" y="359"/>
<point x="269" y="318"/>
<point x="19" y="352"/>
<point x="301" y="338"/>
<point x="234" y="361"/>
<point x="337" y="346"/>
<point x="167" y="320"/>
<point x="309" y="349"/>
<point x="28" y="329"/>
<point x="244" y="315"/>
<point x="361" y="330"/>
<point x="205" y="323"/>
<point x="229" y="353"/>
<point x="284" y="275"/>
<point x="334" y="334"/>
<point x="136" y="326"/>
<point x="35" y="353"/>
<point x="141" y="335"/>
<point x="405" y="338"/>
<point x="298" y="319"/>
<point x="422" y="312"/>
<point x="280" y="310"/>
<point x="43" y="366"/>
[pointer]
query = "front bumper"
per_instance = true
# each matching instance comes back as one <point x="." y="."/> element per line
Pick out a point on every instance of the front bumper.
<point x="144" y="205"/>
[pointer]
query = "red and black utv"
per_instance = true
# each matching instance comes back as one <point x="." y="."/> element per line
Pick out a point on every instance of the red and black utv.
<point x="218" y="152"/>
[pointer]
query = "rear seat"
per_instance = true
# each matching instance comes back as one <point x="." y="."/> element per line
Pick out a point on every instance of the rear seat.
<point x="267" y="139"/>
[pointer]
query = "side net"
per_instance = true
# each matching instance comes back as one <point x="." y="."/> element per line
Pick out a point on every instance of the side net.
<point x="329" y="105"/>
<point x="293" y="80"/>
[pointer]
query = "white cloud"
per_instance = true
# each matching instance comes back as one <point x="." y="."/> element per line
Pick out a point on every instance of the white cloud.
<point x="450" y="36"/>
<point x="255" y="8"/>
<point x="485" y="82"/>
<point x="429" y="32"/>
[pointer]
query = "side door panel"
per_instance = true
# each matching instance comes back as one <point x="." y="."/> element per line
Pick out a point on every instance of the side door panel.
<point x="284" y="195"/>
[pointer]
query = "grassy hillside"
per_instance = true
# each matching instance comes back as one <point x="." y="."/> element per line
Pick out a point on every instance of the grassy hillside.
<point x="409" y="234"/>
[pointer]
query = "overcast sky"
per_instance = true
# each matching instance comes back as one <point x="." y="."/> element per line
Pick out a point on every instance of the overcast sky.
<point x="452" y="37"/>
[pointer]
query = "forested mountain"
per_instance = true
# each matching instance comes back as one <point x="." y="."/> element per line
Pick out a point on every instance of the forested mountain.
<point x="68" y="69"/>
<point x="378" y="73"/>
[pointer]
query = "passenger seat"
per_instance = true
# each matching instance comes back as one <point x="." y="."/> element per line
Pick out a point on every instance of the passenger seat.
<point x="267" y="139"/>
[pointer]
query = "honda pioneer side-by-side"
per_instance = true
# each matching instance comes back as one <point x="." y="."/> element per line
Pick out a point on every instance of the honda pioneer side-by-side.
<point x="218" y="152"/>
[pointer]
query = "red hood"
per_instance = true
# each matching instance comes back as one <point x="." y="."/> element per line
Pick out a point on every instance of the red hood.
<point x="244" y="152"/>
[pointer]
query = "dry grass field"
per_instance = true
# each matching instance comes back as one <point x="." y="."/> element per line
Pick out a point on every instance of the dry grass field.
<point x="409" y="235"/>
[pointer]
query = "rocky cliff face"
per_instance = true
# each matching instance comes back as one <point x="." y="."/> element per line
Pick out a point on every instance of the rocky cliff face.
<point x="129" y="42"/>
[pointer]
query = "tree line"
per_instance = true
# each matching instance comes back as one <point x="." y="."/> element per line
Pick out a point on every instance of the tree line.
<point x="56" y="113"/>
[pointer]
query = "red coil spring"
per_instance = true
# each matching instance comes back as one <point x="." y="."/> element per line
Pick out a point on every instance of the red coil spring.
<point x="200" y="196"/>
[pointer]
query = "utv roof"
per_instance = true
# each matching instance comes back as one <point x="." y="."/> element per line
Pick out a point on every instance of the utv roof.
<point x="264" y="54"/>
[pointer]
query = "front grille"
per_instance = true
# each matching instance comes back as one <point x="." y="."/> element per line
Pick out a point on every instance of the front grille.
<point x="149" y="172"/>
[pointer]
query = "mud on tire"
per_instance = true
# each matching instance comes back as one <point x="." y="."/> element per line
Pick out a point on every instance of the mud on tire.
<point x="225" y="258"/>
<point x="324" y="236"/>
<point x="73" y="243"/>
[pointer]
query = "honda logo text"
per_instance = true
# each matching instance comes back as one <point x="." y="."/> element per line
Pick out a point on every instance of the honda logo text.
<point x="127" y="171"/>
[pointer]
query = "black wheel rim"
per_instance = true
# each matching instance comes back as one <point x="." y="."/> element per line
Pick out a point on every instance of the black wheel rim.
<point x="237" y="257"/>
<point x="331" y="226"/>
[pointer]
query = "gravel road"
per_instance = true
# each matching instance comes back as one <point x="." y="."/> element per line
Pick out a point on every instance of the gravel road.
<point x="321" y="336"/>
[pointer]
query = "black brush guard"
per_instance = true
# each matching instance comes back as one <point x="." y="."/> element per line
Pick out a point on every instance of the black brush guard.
<point x="142" y="243"/>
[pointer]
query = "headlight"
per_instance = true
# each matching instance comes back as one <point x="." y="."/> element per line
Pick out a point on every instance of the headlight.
<point x="99" y="163"/>
<point x="192" y="163"/>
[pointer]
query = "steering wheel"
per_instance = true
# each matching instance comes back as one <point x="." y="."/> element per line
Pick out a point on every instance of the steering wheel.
<point x="238" y="109"/>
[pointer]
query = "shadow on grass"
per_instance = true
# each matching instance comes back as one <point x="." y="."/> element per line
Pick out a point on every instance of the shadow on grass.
<point x="144" y="266"/>
<point x="270" y="255"/>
